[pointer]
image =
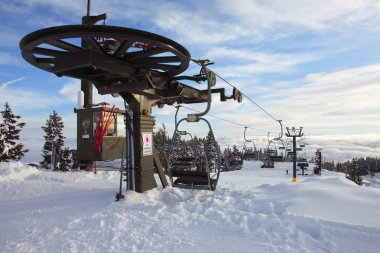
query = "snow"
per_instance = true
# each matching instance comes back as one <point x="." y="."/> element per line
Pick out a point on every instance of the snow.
<point x="252" y="210"/>
<point x="373" y="181"/>
<point x="7" y="146"/>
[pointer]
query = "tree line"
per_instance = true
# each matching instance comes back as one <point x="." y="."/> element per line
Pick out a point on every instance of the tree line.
<point x="355" y="168"/>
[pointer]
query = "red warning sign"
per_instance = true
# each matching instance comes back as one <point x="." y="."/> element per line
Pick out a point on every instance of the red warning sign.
<point x="147" y="146"/>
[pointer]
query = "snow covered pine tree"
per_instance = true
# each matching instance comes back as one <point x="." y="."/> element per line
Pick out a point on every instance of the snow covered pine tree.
<point x="210" y="146"/>
<point x="54" y="136"/>
<point x="353" y="172"/>
<point x="9" y="135"/>
<point x="161" y="143"/>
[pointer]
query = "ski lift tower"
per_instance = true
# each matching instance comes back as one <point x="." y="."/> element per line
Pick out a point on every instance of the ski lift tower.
<point x="142" y="68"/>
<point x="294" y="133"/>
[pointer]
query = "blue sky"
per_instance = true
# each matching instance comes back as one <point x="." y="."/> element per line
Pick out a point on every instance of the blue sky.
<point x="309" y="63"/>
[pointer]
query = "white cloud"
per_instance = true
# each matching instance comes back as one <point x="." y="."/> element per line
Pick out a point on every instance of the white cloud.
<point x="191" y="23"/>
<point x="345" y="100"/>
<point x="205" y="23"/>
<point x="58" y="5"/>
<point x="252" y="62"/>
<point x="193" y="27"/>
<point x="309" y="14"/>
<point x="344" y="147"/>
<point x="4" y="85"/>
<point x="26" y="99"/>
<point x="70" y="90"/>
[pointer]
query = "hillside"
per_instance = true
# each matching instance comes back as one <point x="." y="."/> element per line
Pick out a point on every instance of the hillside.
<point x="252" y="210"/>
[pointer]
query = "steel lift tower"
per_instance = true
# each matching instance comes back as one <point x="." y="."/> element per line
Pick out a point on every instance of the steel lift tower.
<point x="141" y="67"/>
<point x="294" y="133"/>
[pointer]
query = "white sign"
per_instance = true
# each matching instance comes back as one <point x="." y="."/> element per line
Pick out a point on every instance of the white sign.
<point x="147" y="143"/>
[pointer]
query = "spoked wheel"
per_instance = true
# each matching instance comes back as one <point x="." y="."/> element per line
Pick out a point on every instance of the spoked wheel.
<point x="54" y="49"/>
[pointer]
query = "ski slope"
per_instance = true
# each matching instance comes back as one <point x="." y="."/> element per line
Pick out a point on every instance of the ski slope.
<point x="252" y="210"/>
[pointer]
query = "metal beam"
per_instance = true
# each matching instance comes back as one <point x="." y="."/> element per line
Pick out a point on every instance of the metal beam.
<point x="121" y="87"/>
<point x="95" y="61"/>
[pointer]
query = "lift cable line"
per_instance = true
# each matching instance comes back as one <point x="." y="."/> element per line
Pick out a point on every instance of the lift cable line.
<point x="261" y="108"/>
<point x="235" y="90"/>
<point x="233" y="86"/>
<point x="181" y="168"/>
<point x="219" y="118"/>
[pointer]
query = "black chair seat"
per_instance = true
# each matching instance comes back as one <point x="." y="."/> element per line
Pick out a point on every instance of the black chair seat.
<point x="190" y="173"/>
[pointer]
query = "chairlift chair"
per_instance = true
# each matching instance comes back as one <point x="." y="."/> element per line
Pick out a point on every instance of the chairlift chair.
<point x="195" y="172"/>
<point x="302" y="142"/>
<point x="248" y="153"/>
<point x="190" y="167"/>
<point x="272" y="151"/>
<point x="282" y="145"/>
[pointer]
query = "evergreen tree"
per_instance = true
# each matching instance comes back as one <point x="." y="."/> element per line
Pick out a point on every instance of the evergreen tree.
<point x="236" y="155"/>
<point x="210" y="146"/>
<point x="161" y="143"/>
<point x="339" y="167"/>
<point x="177" y="149"/>
<point x="9" y="135"/>
<point x="54" y="136"/>
<point x="226" y="159"/>
<point x="232" y="159"/>
<point x="329" y="166"/>
<point x="353" y="172"/>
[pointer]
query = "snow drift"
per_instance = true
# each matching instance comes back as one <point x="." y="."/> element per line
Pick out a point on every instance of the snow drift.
<point x="252" y="210"/>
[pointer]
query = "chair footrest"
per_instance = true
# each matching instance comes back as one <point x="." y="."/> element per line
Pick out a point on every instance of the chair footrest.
<point x="193" y="180"/>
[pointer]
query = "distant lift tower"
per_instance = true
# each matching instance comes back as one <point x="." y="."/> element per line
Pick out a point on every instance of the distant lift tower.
<point x="294" y="133"/>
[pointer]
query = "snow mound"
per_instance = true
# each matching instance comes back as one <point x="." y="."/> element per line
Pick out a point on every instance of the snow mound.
<point x="252" y="210"/>
<point x="16" y="171"/>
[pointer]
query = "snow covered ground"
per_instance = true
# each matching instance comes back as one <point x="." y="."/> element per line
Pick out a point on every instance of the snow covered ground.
<point x="252" y="210"/>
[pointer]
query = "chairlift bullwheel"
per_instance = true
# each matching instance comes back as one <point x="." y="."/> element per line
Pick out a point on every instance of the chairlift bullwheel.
<point x="49" y="47"/>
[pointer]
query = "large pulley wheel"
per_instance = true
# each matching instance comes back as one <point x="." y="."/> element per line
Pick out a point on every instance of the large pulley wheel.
<point x="139" y="49"/>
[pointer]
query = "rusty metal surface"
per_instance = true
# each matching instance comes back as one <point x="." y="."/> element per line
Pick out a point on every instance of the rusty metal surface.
<point x="45" y="48"/>
<point x="141" y="67"/>
<point x="115" y="59"/>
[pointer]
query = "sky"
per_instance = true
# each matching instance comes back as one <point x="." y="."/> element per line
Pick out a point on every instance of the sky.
<point x="308" y="63"/>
